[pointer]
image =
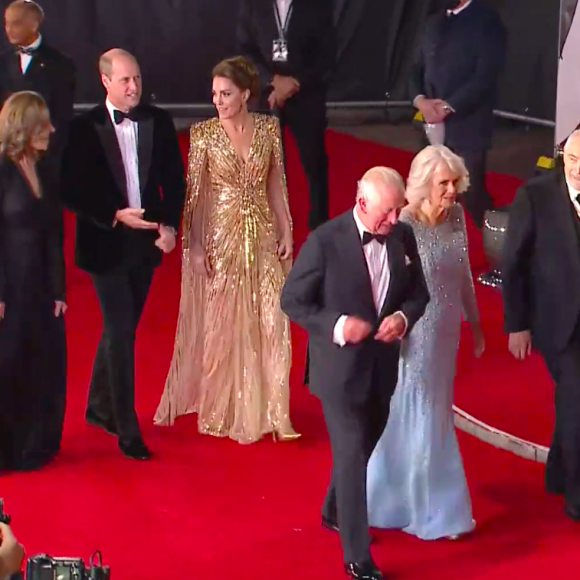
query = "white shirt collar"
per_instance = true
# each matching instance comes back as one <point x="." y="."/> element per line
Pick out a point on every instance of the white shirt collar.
<point x="458" y="10"/>
<point x="360" y="226"/>
<point x="35" y="44"/>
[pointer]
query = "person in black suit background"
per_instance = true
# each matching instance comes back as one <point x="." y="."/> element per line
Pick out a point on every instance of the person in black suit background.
<point x="31" y="64"/>
<point x="357" y="286"/>
<point x="292" y="44"/>
<point x="541" y="296"/>
<point x="454" y="80"/>
<point x="119" y="156"/>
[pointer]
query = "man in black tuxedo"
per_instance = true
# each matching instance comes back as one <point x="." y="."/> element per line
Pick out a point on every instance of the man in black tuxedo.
<point x="357" y="287"/>
<point x="123" y="177"/>
<point x="292" y="44"/>
<point x="454" y="81"/>
<point x="33" y="65"/>
<point x="541" y="295"/>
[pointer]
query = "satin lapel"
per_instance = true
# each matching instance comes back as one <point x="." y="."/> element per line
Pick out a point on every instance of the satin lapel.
<point x="108" y="138"/>
<point x="396" y="256"/>
<point x="353" y="255"/>
<point x="145" y="150"/>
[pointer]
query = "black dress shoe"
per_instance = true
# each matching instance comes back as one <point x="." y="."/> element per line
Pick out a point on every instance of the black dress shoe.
<point x="366" y="571"/>
<point x="572" y="512"/>
<point x="136" y="449"/>
<point x="94" y="419"/>
<point x="329" y="524"/>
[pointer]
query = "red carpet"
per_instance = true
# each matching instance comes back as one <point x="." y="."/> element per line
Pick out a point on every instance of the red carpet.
<point x="209" y="508"/>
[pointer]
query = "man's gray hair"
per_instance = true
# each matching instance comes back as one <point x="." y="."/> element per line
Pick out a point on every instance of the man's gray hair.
<point x="366" y="186"/>
<point x="424" y="165"/>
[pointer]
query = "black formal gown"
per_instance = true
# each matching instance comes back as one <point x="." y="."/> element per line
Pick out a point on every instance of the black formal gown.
<point x="32" y="339"/>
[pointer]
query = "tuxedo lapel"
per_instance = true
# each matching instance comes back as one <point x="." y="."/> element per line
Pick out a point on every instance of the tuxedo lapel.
<point x="108" y="138"/>
<point x="145" y="150"/>
<point x="352" y="252"/>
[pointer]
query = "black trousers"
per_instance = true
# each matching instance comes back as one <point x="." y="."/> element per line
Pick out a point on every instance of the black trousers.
<point x="354" y="431"/>
<point x="477" y="199"/>
<point x="305" y="115"/>
<point x="121" y="298"/>
<point x="563" y="464"/>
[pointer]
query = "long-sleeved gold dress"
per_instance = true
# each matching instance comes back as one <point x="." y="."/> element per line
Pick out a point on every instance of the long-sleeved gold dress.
<point x="232" y="355"/>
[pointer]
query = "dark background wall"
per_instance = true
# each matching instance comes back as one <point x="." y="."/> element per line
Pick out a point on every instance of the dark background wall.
<point x="178" y="41"/>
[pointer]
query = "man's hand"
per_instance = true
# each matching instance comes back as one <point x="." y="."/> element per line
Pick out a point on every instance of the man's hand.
<point x="391" y="328"/>
<point x="11" y="552"/>
<point x="520" y="344"/>
<point x="60" y="307"/>
<point x="355" y="330"/>
<point x="283" y="89"/>
<point x="166" y="240"/>
<point x="133" y="218"/>
<point x="433" y="110"/>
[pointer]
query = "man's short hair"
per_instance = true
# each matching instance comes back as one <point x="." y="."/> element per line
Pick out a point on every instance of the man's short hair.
<point x="30" y="6"/>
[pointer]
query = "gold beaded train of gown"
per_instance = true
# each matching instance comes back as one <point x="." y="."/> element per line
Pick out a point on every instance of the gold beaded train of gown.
<point x="232" y="354"/>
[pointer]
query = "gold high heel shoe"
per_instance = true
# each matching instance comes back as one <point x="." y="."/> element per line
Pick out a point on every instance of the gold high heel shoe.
<point x="277" y="436"/>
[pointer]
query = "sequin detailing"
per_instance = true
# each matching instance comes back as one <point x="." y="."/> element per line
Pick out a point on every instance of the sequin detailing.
<point x="416" y="480"/>
<point x="232" y="355"/>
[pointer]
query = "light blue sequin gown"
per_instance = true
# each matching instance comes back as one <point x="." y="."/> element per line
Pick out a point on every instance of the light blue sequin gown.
<point x="416" y="480"/>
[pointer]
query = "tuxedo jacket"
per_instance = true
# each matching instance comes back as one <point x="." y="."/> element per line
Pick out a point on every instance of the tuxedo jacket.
<point x="330" y="278"/>
<point x="94" y="187"/>
<point x="52" y="75"/>
<point x="541" y="264"/>
<point x="460" y="60"/>
<point x="310" y="38"/>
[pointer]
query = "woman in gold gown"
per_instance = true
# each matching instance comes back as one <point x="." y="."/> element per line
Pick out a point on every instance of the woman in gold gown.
<point x="232" y="356"/>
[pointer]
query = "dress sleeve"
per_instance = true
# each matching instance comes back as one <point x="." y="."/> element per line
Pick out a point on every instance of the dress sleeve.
<point x="279" y="193"/>
<point x="468" y="299"/>
<point x="196" y="198"/>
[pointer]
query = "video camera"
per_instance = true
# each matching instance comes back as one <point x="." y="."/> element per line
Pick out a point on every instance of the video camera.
<point x="44" y="567"/>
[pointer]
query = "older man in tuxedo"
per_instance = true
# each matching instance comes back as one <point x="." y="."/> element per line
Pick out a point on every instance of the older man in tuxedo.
<point x="541" y="294"/>
<point x="123" y="177"/>
<point x="31" y="64"/>
<point x="357" y="287"/>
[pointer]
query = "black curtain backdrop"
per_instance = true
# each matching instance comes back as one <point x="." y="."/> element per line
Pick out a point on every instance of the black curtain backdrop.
<point x="177" y="43"/>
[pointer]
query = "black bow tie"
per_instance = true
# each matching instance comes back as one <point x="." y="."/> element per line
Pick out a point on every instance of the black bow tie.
<point x="368" y="237"/>
<point x="133" y="115"/>
<point x="27" y="51"/>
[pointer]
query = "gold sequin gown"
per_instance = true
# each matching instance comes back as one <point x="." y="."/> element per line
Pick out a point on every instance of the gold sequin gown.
<point x="232" y="355"/>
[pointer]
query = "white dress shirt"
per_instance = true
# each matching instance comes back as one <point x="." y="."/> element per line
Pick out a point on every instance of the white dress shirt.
<point x="574" y="193"/>
<point x="25" y="59"/>
<point x="377" y="258"/>
<point x="127" y="137"/>
<point x="460" y="9"/>
<point x="283" y="9"/>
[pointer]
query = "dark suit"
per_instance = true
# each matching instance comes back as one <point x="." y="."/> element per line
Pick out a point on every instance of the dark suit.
<point x="52" y="75"/>
<point x="354" y="383"/>
<point x="311" y="54"/>
<point x="120" y="260"/>
<point x="541" y="293"/>
<point x="460" y="60"/>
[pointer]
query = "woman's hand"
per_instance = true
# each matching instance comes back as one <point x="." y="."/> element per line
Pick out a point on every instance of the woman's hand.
<point x="2" y="310"/>
<point x="200" y="261"/>
<point x="285" y="245"/>
<point x="478" y="340"/>
<point x="60" y="307"/>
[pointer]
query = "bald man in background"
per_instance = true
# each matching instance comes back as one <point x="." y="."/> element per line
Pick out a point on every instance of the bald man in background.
<point x="30" y="64"/>
<point x="124" y="178"/>
<point x="541" y="296"/>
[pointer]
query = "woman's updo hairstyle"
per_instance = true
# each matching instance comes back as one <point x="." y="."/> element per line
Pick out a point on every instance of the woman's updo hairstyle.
<point x="241" y="72"/>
